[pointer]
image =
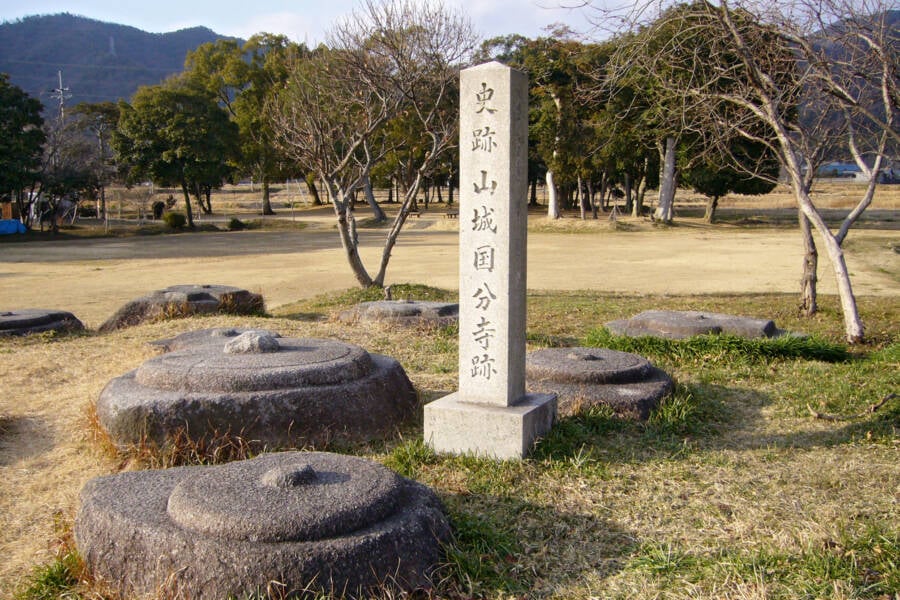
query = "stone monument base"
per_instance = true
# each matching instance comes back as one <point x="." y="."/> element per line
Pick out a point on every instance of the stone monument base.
<point x="503" y="432"/>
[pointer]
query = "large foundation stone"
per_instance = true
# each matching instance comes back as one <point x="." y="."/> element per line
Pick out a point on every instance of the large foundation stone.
<point x="293" y="523"/>
<point x="37" y="320"/>
<point x="271" y="391"/>
<point x="182" y="301"/>
<point x="675" y="324"/>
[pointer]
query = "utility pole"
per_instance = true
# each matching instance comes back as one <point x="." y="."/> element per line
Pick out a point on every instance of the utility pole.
<point x="62" y="94"/>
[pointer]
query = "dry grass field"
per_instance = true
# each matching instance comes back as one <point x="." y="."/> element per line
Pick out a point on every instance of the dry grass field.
<point x="733" y="489"/>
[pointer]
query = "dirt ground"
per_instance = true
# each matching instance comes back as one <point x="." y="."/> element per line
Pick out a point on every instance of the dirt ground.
<point x="93" y="277"/>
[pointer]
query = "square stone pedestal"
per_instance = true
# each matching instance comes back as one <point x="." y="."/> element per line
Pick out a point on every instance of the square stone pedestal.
<point x="502" y="432"/>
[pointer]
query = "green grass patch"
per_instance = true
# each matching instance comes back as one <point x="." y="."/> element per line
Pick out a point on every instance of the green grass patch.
<point x="54" y="580"/>
<point x="408" y="458"/>
<point x="481" y="556"/>
<point x="589" y="441"/>
<point x="866" y="565"/>
<point x="721" y="348"/>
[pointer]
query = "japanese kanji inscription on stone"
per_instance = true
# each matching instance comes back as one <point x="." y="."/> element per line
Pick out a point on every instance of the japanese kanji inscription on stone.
<point x="491" y="414"/>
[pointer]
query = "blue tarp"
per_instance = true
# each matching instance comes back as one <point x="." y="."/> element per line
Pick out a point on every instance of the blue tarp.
<point x="9" y="226"/>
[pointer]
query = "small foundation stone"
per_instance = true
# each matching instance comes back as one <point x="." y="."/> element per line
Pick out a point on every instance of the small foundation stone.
<point x="403" y="312"/>
<point x="37" y="320"/>
<point x="584" y="377"/>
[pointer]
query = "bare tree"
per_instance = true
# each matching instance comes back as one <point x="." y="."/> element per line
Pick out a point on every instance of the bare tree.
<point x="396" y="59"/>
<point x="808" y="79"/>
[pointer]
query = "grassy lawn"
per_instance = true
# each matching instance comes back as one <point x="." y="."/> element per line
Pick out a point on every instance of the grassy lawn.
<point x="734" y="488"/>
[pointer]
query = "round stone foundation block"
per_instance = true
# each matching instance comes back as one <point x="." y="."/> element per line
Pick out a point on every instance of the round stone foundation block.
<point x="409" y="313"/>
<point x="37" y="320"/>
<point x="182" y="301"/>
<point x="268" y="390"/>
<point x="584" y="377"/>
<point x="292" y="523"/>
<point x="676" y="324"/>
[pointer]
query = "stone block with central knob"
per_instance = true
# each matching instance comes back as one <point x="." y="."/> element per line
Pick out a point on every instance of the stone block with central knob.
<point x="269" y="390"/>
<point x="307" y="521"/>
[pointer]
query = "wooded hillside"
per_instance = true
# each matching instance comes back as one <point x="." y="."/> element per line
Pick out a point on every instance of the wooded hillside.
<point x="99" y="61"/>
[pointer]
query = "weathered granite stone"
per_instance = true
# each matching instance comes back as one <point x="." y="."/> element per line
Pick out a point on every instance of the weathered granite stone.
<point x="275" y="392"/>
<point x="215" y="336"/>
<point x="295" y="522"/>
<point x="36" y="320"/>
<point x="252" y="342"/>
<point x="403" y="312"/>
<point x="584" y="377"/>
<point x="184" y="300"/>
<point x="674" y="324"/>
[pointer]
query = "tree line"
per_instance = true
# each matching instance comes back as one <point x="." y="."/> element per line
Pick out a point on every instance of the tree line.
<point x="718" y="97"/>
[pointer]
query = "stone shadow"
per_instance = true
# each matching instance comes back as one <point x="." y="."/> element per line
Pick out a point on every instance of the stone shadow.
<point x="506" y="546"/>
<point x="23" y="437"/>
<point x="306" y="317"/>
<point x="698" y="417"/>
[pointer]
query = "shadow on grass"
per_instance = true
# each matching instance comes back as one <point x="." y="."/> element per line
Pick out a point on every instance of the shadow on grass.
<point x="859" y="563"/>
<point x="504" y="546"/>
<point x="697" y="418"/>
<point x="306" y="317"/>
<point x="23" y="437"/>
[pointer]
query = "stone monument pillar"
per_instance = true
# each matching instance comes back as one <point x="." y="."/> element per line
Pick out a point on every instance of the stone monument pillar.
<point x="491" y="415"/>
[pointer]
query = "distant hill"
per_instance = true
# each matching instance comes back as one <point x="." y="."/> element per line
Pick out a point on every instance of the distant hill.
<point x="99" y="61"/>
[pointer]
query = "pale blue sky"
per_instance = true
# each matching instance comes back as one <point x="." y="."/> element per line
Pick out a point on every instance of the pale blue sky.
<point x="300" y="20"/>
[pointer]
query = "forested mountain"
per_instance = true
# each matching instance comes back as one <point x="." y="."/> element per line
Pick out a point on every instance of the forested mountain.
<point x="99" y="61"/>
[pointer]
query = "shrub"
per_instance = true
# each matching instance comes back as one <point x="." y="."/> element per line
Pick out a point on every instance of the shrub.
<point x="236" y="224"/>
<point x="175" y="220"/>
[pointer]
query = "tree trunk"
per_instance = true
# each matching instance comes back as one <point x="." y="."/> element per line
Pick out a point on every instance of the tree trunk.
<point x="641" y="191"/>
<point x="664" y="209"/>
<point x="808" y="303"/>
<point x="532" y="199"/>
<point x="409" y="202"/>
<point x="590" y="184"/>
<point x="853" y="328"/>
<point x="187" y="204"/>
<point x="340" y="200"/>
<point x="450" y="192"/>
<point x="266" y="202"/>
<point x="629" y="196"/>
<point x="552" y="197"/>
<point x="582" y="200"/>
<point x="604" y="184"/>
<point x="101" y="212"/>
<point x="712" y="202"/>
<point x="313" y="190"/>
<point x="370" y="198"/>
